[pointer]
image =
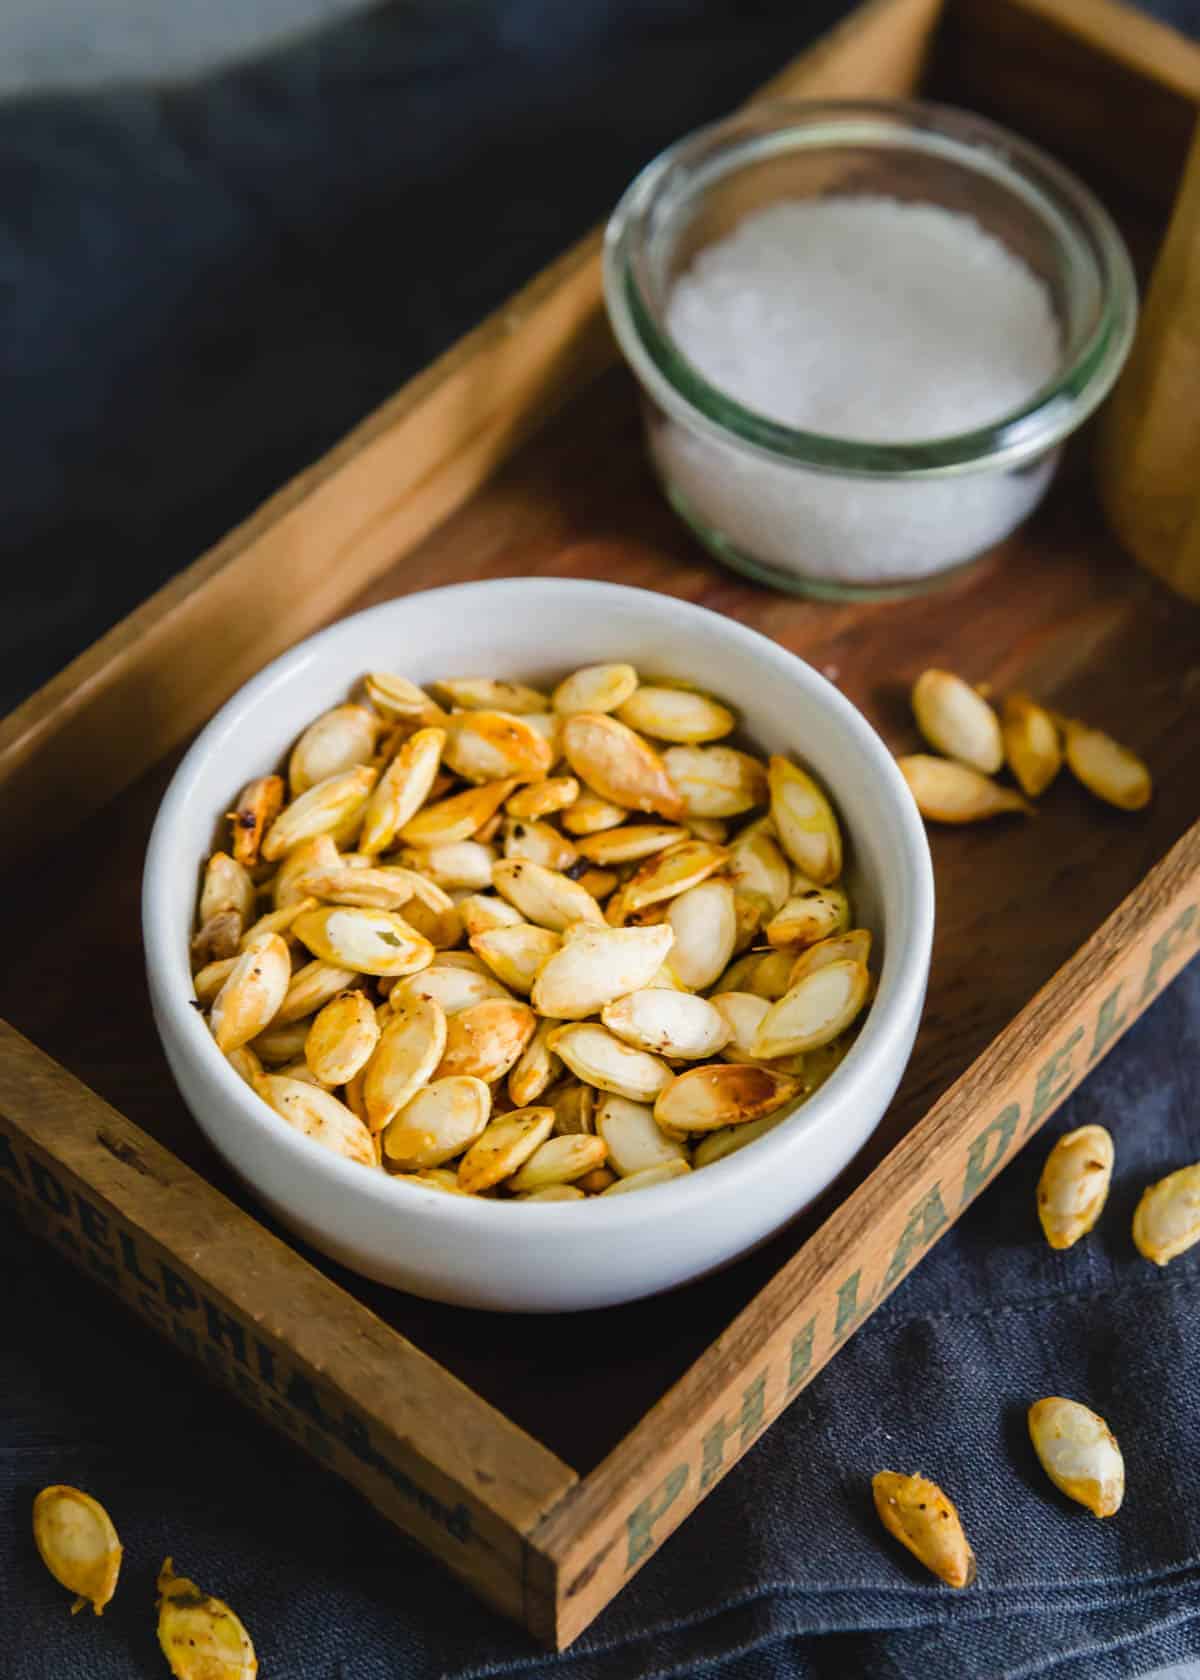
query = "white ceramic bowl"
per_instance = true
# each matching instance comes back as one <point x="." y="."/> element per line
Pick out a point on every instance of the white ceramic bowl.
<point x="547" y="1257"/>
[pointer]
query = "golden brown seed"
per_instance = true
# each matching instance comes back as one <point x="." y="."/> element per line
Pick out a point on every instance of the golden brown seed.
<point x="813" y="914"/>
<point x="676" y="714"/>
<point x="596" y="1182"/>
<point x="671" y="872"/>
<point x="327" y="808"/>
<point x="916" y="1512"/>
<point x="804" y="821"/>
<point x="722" y="1094"/>
<point x="310" y="856"/>
<point x="854" y="946"/>
<point x="1167" y="1219"/>
<point x="704" y="922"/>
<point x="619" y="765"/>
<point x="78" y="1544"/>
<point x="595" y="966"/>
<point x="259" y="803"/>
<point x="465" y="866"/>
<point x="634" y="1138"/>
<point x="626" y="844"/>
<point x="1031" y="743"/>
<point x="368" y="941"/>
<point x="279" y="1046"/>
<point x="365" y="888"/>
<point x="574" y="1106"/>
<point x="599" y="882"/>
<point x="485" y="694"/>
<point x="402" y="789"/>
<point x="310" y="989"/>
<point x="589" y="814"/>
<point x="438" y="1123"/>
<point x="1079" y="1453"/>
<point x="771" y="976"/>
<point x="677" y="1025"/>
<point x="516" y="954"/>
<point x="544" y="896"/>
<point x="396" y="697"/>
<point x="456" y="818"/>
<point x="542" y="799"/>
<point x="716" y="781"/>
<point x="341" y="1038"/>
<point x="452" y="987"/>
<point x="252" y="994"/>
<point x="245" y="1064"/>
<point x="336" y="741"/>
<point x="1073" y="1188"/>
<point x="599" y="1058"/>
<point x="409" y="1048"/>
<point x="318" y="1114"/>
<point x="227" y="887"/>
<point x="814" y="1011"/>
<point x="757" y="867"/>
<point x="714" y="1146"/>
<point x="953" y="793"/>
<point x="535" y="1068"/>
<point x="595" y="688"/>
<point x="277" y="921"/>
<point x="217" y="938"/>
<point x="555" y="1193"/>
<point x="539" y="842"/>
<point x="957" y="721"/>
<point x="743" y="1014"/>
<point x="200" y="1636"/>
<point x="486" y="1040"/>
<point x="492" y="746"/>
<point x="1107" y="769"/>
<point x="503" y="1148"/>
<point x="560" y="1160"/>
<point x="481" y="912"/>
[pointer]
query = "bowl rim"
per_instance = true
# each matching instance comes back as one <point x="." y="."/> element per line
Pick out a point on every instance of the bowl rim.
<point x="1037" y="425"/>
<point x="900" y="993"/>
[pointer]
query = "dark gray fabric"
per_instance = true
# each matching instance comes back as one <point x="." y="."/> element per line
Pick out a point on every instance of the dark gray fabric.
<point x="202" y="290"/>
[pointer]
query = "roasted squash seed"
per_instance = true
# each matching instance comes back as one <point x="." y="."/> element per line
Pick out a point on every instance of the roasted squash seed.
<point x="1031" y="743"/>
<point x="1167" y="1219"/>
<point x="440" y="877"/>
<point x="78" y="1544"/>
<point x="1079" y="1453"/>
<point x="1106" y="768"/>
<point x="648" y="1177"/>
<point x="956" y="720"/>
<point x="200" y="1636"/>
<point x="1073" y="1188"/>
<point x="953" y="793"/>
<point x="916" y="1512"/>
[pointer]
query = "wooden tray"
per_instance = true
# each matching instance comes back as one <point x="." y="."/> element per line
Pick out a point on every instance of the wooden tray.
<point x="539" y="1469"/>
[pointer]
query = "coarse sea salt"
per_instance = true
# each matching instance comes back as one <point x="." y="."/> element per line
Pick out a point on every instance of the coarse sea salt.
<point x="865" y="319"/>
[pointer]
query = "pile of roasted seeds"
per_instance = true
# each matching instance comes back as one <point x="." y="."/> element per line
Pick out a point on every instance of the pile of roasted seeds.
<point x="1032" y="741"/>
<point x="542" y="946"/>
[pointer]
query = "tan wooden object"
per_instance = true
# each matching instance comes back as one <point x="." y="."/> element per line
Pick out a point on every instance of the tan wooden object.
<point x="1052" y="935"/>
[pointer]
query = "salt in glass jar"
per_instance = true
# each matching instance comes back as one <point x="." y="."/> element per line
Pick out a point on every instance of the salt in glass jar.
<point x="844" y="516"/>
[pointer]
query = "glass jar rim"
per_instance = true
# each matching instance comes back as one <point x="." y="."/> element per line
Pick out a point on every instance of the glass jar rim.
<point x="769" y="128"/>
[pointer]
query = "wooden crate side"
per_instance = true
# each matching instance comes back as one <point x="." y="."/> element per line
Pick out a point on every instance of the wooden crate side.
<point x="609" y="1524"/>
<point x="437" y="1461"/>
<point x="309" y="551"/>
<point x="1101" y="85"/>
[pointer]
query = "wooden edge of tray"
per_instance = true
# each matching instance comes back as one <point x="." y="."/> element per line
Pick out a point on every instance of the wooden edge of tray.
<point x="1152" y="50"/>
<point x="313" y="547"/>
<point x="439" y="1462"/>
<point x="606" y="1526"/>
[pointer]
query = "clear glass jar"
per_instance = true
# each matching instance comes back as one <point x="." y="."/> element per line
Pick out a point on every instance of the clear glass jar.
<point x="835" y="516"/>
